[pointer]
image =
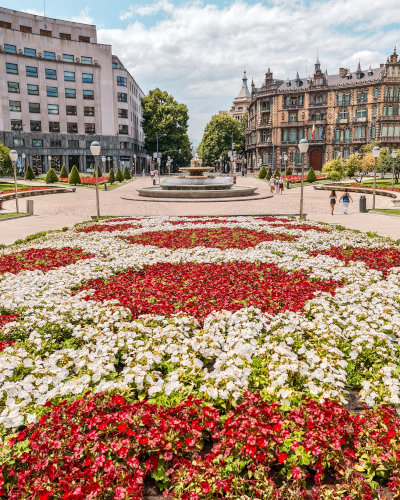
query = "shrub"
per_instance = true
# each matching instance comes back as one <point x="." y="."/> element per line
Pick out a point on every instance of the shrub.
<point x="311" y="177"/>
<point x="263" y="173"/>
<point x="118" y="176"/>
<point x="111" y="176"/>
<point x="51" y="176"/>
<point x="99" y="172"/>
<point x="276" y="173"/>
<point x="63" y="173"/>
<point x="74" y="177"/>
<point x="29" y="175"/>
<point x="126" y="174"/>
<point x="288" y="171"/>
<point x="269" y="174"/>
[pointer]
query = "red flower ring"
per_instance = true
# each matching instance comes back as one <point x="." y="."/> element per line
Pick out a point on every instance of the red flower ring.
<point x="198" y="289"/>
<point x="43" y="259"/>
<point x="122" y="219"/>
<point x="302" y="227"/>
<point x="100" y="228"/>
<point x="381" y="259"/>
<point x="223" y="238"/>
<point x="203" y="221"/>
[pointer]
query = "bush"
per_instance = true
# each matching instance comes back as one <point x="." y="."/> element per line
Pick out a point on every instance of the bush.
<point x="269" y="174"/>
<point x="74" y="177"/>
<point x="29" y="175"/>
<point x="263" y="173"/>
<point x="118" y="176"/>
<point x="99" y="172"/>
<point x="111" y="176"/>
<point x="311" y="177"/>
<point x="126" y="174"/>
<point x="288" y="171"/>
<point x="276" y="173"/>
<point x="51" y="176"/>
<point x="63" y="173"/>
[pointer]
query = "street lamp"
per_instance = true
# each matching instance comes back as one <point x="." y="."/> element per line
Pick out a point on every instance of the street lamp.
<point x="285" y="159"/>
<point x="14" y="158"/>
<point x="375" y="153"/>
<point x="103" y="159"/>
<point x="394" y="156"/>
<point x="49" y="157"/>
<point x="95" y="150"/>
<point x="134" y="160"/>
<point x="23" y="163"/>
<point x="303" y="148"/>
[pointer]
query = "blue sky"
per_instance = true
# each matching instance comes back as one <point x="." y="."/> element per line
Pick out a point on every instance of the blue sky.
<point x="197" y="50"/>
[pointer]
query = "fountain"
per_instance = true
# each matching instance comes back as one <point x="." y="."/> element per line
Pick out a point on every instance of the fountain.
<point x="193" y="184"/>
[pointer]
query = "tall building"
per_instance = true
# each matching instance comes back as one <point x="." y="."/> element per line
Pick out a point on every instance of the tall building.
<point x="240" y="103"/>
<point x="337" y="113"/>
<point x="61" y="90"/>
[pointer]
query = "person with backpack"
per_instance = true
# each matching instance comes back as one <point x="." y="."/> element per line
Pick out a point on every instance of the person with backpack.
<point x="346" y="198"/>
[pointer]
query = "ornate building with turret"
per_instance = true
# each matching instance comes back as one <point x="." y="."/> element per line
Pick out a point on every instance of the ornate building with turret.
<point x="241" y="102"/>
<point x="337" y="113"/>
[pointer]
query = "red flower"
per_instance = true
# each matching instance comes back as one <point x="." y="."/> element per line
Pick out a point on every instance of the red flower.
<point x="282" y="457"/>
<point x="205" y="487"/>
<point x="117" y="399"/>
<point x="297" y="473"/>
<point x="122" y="427"/>
<point x="168" y="455"/>
<point x="133" y="462"/>
<point x="120" y="493"/>
<point x="44" y="494"/>
<point x="190" y="441"/>
<point x="152" y="463"/>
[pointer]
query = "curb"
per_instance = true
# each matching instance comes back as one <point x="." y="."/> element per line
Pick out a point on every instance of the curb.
<point x="209" y="216"/>
<point x="199" y="200"/>
<point x="379" y="192"/>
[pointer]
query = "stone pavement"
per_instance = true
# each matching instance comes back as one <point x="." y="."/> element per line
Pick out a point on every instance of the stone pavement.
<point x="56" y="211"/>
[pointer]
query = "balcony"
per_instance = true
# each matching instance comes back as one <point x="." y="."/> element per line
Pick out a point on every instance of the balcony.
<point x="360" y="119"/>
<point x="362" y="101"/>
<point x="265" y="124"/>
<point x="317" y="141"/>
<point x="268" y="142"/>
<point x="359" y="139"/>
<point x="290" y="142"/>
<point x="293" y="106"/>
<point x="389" y="118"/>
<point x="293" y="124"/>
<point x="391" y="99"/>
<point x="317" y="104"/>
<point x="342" y="120"/>
<point x="390" y="139"/>
<point x="341" y="141"/>
<point x="316" y="122"/>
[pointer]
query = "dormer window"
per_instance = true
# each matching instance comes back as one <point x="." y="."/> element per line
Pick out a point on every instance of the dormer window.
<point x="370" y="73"/>
<point x="287" y="84"/>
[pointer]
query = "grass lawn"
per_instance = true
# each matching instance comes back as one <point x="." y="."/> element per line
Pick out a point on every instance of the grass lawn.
<point x="8" y="186"/>
<point x="383" y="183"/>
<point x="389" y="211"/>
<point x="11" y="214"/>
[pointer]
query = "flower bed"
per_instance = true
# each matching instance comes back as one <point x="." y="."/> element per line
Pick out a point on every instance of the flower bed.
<point x="371" y="187"/>
<point x="297" y="178"/>
<point x="87" y="180"/>
<point x="221" y="358"/>
<point x="28" y="188"/>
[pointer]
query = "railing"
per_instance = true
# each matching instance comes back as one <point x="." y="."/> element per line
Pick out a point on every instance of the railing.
<point x="359" y="139"/>
<point x="339" y="141"/>
<point x="391" y="99"/>
<point x="293" y="124"/>
<point x="315" y="104"/>
<point x="287" y="106"/>
<point x="360" y="119"/>
<point x="390" y="139"/>
<point x="312" y="121"/>
<point x="391" y="117"/>
<point x="342" y="120"/>
<point x="296" y="141"/>
<point x="362" y="100"/>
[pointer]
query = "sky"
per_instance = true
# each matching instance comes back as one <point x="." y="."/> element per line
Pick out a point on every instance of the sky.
<point x="197" y="51"/>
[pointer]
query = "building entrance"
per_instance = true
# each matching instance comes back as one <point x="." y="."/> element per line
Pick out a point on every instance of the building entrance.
<point x="73" y="160"/>
<point x="316" y="159"/>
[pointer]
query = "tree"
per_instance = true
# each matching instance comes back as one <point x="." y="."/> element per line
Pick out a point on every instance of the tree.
<point x="288" y="171"/>
<point x="74" y="177"/>
<point x="63" y="173"/>
<point x="6" y="166"/>
<point x="217" y="139"/>
<point x="385" y="162"/>
<point x="276" y="173"/>
<point x="51" y="176"/>
<point x="311" y="177"/>
<point x="269" y="174"/>
<point x="334" y="169"/>
<point x="118" y="176"/>
<point x="126" y="174"/>
<point x="165" y="117"/>
<point x="368" y="162"/>
<point x="354" y="168"/>
<point x="262" y="174"/>
<point x="111" y="176"/>
<point x="99" y="172"/>
<point x="29" y="175"/>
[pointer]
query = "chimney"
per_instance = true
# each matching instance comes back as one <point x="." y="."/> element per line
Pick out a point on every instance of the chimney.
<point x="381" y="65"/>
<point x="342" y="72"/>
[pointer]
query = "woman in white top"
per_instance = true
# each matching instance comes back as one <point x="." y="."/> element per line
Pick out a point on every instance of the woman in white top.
<point x="272" y="184"/>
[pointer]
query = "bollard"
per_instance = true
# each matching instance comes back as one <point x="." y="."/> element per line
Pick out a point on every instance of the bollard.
<point x="288" y="184"/>
<point x="234" y="179"/>
<point x="363" y="204"/>
<point x="29" y="207"/>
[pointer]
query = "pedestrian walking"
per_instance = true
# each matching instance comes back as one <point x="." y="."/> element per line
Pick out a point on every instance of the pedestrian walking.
<point x="280" y="186"/>
<point x="152" y="174"/>
<point x="272" y="185"/>
<point x="346" y="198"/>
<point x="245" y="171"/>
<point x="332" y="198"/>
<point x="276" y="186"/>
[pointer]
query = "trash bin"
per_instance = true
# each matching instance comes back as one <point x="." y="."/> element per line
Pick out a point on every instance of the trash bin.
<point x="29" y="207"/>
<point x="234" y="179"/>
<point x="288" y="184"/>
<point x="154" y="182"/>
<point x="363" y="204"/>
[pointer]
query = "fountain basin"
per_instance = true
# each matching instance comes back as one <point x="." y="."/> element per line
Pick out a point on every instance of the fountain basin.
<point x="196" y="183"/>
<point x="202" y="191"/>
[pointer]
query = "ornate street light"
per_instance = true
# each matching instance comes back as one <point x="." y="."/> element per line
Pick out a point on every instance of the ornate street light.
<point x="95" y="150"/>
<point x="14" y="158"/>
<point x="394" y="156"/>
<point x="375" y="153"/>
<point x="303" y="148"/>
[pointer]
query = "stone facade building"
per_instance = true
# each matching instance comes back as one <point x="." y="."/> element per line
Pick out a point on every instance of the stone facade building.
<point x="61" y="90"/>
<point x="337" y="113"/>
<point x="240" y="103"/>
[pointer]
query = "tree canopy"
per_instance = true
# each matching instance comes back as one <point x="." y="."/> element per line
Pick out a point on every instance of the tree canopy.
<point x="165" y="117"/>
<point x="6" y="167"/>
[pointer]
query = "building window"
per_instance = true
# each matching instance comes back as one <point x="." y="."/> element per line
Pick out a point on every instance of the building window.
<point x="359" y="132"/>
<point x="54" y="143"/>
<point x="65" y="36"/>
<point x="87" y="78"/>
<point x="87" y="111"/>
<point x="71" y="110"/>
<point x="72" y="128"/>
<point x="373" y="111"/>
<point x="54" y="126"/>
<point x="337" y="135"/>
<point x="29" y="52"/>
<point x="45" y="33"/>
<point x="51" y="74"/>
<point x="347" y="135"/>
<point x="11" y="69"/>
<point x="361" y="113"/>
<point x="16" y="125"/>
<point x="70" y="93"/>
<point x="373" y="132"/>
<point x="69" y="76"/>
<point x="31" y="72"/>
<point x="122" y="97"/>
<point x="10" y="49"/>
<point x="34" y="107"/>
<point x="52" y="91"/>
<point x="123" y="129"/>
<point x="85" y="39"/>
<point x="343" y="114"/>
<point x="88" y="94"/>
<point x="36" y="126"/>
<point x="18" y="143"/>
<point x="121" y="81"/>
<point x="86" y="60"/>
<point x="13" y="87"/>
<point x="73" y="144"/>
<point x="52" y="109"/>
<point x="265" y="158"/>
<point x="362" y="96"/>
<point x="90" y="128"/>
<point x="51" y="56"/>
<point x="25" y="29"/>
<point x="122" y="113"/>
<point x="33" y="89"/>
<point x="15" y="106"/>
<point x="293" y="117"/>
<point x="37" y="143"/>
<point x="376" y="92"/>
<point x="3" y="24"/>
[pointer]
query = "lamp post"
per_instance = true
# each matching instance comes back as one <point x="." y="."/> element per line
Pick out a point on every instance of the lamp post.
<point x="394" y="156"/>
<point x="23" y="161"/>
<point x="95" y="150"/>
<point x="303" y="148"/>
<point x="103" y="159"/>
<point x="134" y="160"/>
<point x="375" y="153"/>
<point x="14" y="158"/>
<point x="49" y="157"/>
<point x="285" y="158"/>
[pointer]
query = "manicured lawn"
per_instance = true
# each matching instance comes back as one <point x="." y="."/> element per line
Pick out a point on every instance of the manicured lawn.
<point x="389" y="211"/>
<point x="384" y="183"/>
<point x="11" y="214"/>
<point x="8" y="186"/>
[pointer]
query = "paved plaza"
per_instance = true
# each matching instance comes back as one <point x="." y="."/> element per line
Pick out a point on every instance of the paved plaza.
<point x="60" y="210"/>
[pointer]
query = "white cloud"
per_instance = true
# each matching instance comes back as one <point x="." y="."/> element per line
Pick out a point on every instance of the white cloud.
<point x="83" y="17"/>
<point x="197" y="52"/>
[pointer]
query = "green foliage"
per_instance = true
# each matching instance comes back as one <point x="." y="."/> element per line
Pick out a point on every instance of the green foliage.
<point x="263" y="173"/>
<point x="29" y="175"/>
<point x="288" y="171"/>
<point x="217" y="139"/>
<point x="6" y="167"/>
<point x="63" y="173"/>
<point x="163" y="115"/>
<point x="311" y="177"/>
<point x="269" y="174"/>
<point x="386" y="162"/>
<point x="118" y="176"/>
<point x="334" y="169"/>
<point x="99" y="172"/>
<point x="111" y="177"/>
<point x="74" y="177"/>
<point x="126" y="174"/>
<point x="51" y="176"/>
<point x="276" y="173"/>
